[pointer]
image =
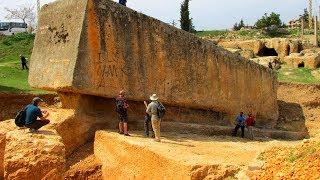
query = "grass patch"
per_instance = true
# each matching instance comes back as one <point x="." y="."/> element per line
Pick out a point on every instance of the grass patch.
<point x="298" y="75"/>
<point x="213" y="33"/>
<point x="12" y="78"/>
<point x="254" y="33"/>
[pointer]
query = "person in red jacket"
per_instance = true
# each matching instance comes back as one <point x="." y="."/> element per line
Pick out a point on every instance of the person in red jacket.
<point x="250" y="121"/>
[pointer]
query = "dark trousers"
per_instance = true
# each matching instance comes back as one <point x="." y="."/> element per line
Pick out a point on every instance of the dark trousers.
<point x="24" y="66"/>
<point x="38" y="124"/>
<point x="147" y="123"/>
<point x="235" y="131"/>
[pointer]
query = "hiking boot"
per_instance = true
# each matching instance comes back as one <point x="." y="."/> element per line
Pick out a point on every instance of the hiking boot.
<point x="127" y="134"/>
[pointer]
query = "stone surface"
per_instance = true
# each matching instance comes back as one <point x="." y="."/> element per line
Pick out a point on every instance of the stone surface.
<point x="34" y="156"/>
<point x="177" y="156"/>
<point x="265" y="60"/>
<point x="5" y="127"/>
<point x="140" y="158"/>
<point x="253" y="45"/>
<point x="90" y="52"/>
<point x="248" y="54"/>
<point x="310" y="60"/>
<point x="282" y="46"/>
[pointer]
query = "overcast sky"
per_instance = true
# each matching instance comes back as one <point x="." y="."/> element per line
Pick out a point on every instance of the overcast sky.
<point x="206" y="14"/>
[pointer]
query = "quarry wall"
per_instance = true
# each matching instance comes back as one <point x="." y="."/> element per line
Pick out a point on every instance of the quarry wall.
<point x="100" y="47"/>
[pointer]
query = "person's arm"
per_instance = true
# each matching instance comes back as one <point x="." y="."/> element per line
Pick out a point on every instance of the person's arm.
<point x="42" y="114"/>
<point x="148" y="111"/>
<point x="45" y="114"/>
<point x="146" y="104"/>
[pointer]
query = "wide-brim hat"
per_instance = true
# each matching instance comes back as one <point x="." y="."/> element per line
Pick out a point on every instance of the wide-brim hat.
<point x="154" y="97"/>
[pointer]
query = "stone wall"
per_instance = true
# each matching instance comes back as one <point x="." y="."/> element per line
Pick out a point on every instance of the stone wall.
<point x="100" y="47"/>
<point x="282" y="46"/>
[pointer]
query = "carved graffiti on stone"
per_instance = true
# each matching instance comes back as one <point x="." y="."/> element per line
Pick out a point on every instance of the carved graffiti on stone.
<point x="111" y="69"/>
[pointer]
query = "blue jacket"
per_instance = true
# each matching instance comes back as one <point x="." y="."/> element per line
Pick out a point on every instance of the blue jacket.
<point x="241" y="120"/>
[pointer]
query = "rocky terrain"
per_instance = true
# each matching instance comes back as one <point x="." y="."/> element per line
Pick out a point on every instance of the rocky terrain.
<point x="52" y="153"/>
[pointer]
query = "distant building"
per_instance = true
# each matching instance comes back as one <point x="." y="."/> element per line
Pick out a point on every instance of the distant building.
<point x="295" y="23"/>
<point x="10" y="28"/>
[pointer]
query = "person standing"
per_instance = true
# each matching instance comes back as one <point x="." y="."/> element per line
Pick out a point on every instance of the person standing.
<point x="32" y="113"/>
<point x="123" y="2"/>
<point x="152" y="110"/>
<point x="250" y="122"/>
<point x="270" y="65"/>
<point x="122" y="108"/>
<point x="147" y="122"/>
<point x="240" y="123"/>
<point x="23" y="62"/>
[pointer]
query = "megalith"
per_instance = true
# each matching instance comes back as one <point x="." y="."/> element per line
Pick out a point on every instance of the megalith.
<point x="98" y="47"/>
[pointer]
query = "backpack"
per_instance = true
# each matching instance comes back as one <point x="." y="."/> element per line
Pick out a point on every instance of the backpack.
<point x="120" y="106"/>
<point x="20" y="119"/>
<point x="161" y="110"/>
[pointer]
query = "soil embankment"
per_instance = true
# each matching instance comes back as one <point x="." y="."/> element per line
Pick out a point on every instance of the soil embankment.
<point x="11" y="103"/>
<point x="299" y="107"/>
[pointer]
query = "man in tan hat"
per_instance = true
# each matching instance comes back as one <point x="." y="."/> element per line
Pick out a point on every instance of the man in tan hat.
<point x="152" y="110"/>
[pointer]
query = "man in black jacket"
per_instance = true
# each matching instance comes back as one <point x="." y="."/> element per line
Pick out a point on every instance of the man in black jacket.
<point x="123" y="2"/>
<point x="23" y="62"/>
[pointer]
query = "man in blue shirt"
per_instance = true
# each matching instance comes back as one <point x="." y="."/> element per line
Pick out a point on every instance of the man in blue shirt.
<point x="123" y="2"/>
<point x="240" y="123"/>
<point x="33" y="112"/>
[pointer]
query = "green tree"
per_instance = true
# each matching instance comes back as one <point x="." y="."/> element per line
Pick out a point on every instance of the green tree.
<point x="305" y="15"/>
<point x="269" y="20"/>
<point x="237" y="26"/>
<point x="185" y="20"/>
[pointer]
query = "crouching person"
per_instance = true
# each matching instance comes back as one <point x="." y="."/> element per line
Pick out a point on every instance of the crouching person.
<point x="156" y="110"/>
<point x="33" y="112"/>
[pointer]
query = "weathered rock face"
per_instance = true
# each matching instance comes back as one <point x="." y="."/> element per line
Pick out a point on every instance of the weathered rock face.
<point x="309" y="60"/>
<point x="253" y="45"/>
<point x="283" y="47"/>
<point x="34" y="156"/>
<point x="100" y="48"/>
<point x="6" y="126"/>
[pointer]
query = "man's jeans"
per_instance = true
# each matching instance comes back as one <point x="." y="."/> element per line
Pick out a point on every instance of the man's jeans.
<point x="147" y="123"/>
<point x="236" y="130"/>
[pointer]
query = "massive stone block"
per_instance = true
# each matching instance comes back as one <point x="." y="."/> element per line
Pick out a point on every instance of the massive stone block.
<point x="100" y="47"/>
